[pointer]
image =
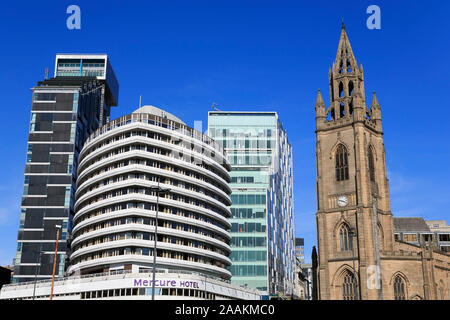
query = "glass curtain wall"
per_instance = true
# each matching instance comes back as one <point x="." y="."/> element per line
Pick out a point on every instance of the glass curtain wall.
<point x="251" y="143"/>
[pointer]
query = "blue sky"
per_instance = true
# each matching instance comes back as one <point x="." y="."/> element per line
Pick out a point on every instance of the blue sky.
<point x="245" y="55"/>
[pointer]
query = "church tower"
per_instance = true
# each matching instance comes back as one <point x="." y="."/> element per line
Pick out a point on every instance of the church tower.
<point x="351" y="184"/>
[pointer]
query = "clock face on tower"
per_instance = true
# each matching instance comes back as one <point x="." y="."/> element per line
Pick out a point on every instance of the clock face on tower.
<point x="342" y="201"/>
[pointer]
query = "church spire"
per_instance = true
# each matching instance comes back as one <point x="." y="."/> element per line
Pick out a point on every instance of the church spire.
<point x="346" y="83"/>
<point x="345" y="61"/>
<point x="347" y="92"/>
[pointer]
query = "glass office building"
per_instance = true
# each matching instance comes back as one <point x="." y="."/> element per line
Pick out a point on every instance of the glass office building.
<point x="262" y="231"/>
<point x="65" y="110"/>
<point x="300" y="249"/>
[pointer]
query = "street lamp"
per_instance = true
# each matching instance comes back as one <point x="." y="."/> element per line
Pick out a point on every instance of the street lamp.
<point x="352" y="234"/>
<point x="158" y="190"/>
<point x="58" y="227"/>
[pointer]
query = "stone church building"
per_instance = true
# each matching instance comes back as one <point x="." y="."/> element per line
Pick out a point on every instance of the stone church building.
<point x="355" y="229"/>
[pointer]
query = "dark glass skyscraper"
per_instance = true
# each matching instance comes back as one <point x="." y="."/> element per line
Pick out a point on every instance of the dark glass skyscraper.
<point x="65" y="110"/>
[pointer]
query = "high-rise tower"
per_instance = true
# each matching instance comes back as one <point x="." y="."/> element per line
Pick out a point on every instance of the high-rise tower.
<point x="262" y="222"/>
<point x="65" y="110"/>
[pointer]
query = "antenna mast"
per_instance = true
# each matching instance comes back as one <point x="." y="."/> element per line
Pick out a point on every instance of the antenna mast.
<point x="213" y="106"/>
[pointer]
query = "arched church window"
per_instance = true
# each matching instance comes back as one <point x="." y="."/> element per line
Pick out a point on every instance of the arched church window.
<point x="399" y="288"/>
<point x="341" y="89"/>
<point x="371" y="166"/>
<point x="348" y="286"/>
<point x="350" y="88"/>
<point x="345" y="239"/>
<point x="341" y="163"/>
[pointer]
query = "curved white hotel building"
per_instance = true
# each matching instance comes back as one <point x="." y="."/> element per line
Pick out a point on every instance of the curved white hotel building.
<point x="114" y="223"/>
<point x="120" y="169"/>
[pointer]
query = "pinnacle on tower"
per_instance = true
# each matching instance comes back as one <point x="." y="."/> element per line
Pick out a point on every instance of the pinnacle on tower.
<point x="320" y="106"/>
<point x="319" y="100"/>
<point x="375" y="110"/>
<point x="374" y="101"/>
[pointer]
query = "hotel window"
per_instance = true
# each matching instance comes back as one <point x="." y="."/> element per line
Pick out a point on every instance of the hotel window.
<point x="444" y="237"/>
<point x="410" y="237"/>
